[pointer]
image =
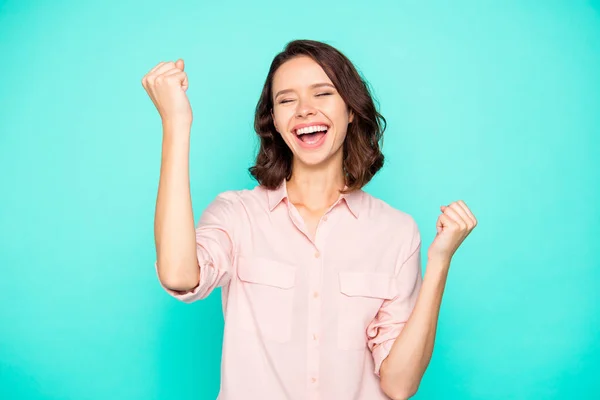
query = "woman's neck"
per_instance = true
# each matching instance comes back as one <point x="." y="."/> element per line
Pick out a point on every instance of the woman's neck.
<point x="315" y="188"/>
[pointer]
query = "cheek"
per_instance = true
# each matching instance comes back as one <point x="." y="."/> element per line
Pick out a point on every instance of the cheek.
<point x="281" y="118"/>
<point x="339" y="111"/>
<point x="341" y="137"/>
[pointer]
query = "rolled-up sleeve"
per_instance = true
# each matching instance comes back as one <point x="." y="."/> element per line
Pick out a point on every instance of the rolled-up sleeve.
<point x="214" y="249"/>
<point x="394" y="313"/>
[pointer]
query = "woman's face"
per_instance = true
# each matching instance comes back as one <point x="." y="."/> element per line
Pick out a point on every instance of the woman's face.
<point x="308" y="112"/>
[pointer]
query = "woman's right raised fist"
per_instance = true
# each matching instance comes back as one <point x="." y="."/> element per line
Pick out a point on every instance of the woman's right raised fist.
<point x="166" y="84"/>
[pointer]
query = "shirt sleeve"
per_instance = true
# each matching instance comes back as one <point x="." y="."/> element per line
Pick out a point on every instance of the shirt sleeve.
<point x="214" y="249"/>
<point x="393" y="313"/>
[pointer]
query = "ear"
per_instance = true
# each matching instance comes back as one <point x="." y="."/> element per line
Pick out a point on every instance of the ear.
<point x="351" y="117"/>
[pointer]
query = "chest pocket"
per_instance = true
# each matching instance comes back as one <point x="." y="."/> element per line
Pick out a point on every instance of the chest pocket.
<point x="361" y="295"/>
<point x="265" y="297"/>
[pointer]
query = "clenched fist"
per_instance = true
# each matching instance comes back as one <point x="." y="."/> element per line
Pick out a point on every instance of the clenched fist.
<point x="453" y="226"/>
<point x="166" y="84"/>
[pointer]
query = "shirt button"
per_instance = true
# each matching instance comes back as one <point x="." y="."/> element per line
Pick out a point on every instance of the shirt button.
<point x="316" y="294"/>
<point x="325" y="218"/>
<point x="313" y="380"/>
<point x="317" y="254"/>
<point x="315" y="337"/>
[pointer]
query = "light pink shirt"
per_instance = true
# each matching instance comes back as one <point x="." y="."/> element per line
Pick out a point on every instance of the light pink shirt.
<point x="306" y="319"/>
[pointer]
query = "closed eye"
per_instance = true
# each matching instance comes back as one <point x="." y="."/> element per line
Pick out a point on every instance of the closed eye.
<point x="320" y="94"/>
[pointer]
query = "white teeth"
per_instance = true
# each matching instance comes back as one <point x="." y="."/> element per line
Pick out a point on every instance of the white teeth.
<point x="311" y="129"/>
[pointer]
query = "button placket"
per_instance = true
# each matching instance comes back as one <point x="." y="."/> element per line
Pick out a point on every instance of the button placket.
<point x="314" y="318"/>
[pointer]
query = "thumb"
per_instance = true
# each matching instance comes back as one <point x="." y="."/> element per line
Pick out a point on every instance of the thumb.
<point x="180" y="64"/>
<point x="442" y="222"/>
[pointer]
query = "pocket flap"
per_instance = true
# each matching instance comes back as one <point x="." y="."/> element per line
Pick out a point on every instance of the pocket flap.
<point x="266" y="272"/>
<point x="367" y="284"/>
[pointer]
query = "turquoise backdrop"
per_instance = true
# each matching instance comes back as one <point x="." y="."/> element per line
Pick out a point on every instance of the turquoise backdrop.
<point x="493" y="102"/>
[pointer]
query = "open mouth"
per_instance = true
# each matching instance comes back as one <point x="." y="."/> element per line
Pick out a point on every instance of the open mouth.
<point x="312" y="134"/>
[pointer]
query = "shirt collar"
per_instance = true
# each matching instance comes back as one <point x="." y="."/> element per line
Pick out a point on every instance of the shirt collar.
<point x="353" y="199"/>
<point x="276" y="196"/>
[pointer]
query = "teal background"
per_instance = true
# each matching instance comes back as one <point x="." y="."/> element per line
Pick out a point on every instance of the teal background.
<point x="496" y="103"/>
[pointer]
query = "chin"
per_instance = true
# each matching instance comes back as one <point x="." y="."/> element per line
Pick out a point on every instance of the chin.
<point x="311" y="161"/>
<point x="322" y="156"/>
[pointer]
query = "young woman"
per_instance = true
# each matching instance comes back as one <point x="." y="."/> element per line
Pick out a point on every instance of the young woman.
<point x="323" y="295"/>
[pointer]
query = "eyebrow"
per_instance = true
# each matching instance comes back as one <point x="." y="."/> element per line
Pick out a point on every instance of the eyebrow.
<point x="313" y="86"/>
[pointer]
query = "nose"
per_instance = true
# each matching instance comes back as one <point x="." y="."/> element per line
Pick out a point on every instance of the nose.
<point x="305" y="108"/>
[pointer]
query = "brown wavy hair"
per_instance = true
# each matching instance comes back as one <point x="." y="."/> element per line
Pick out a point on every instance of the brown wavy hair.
<point x="362" y="157"/>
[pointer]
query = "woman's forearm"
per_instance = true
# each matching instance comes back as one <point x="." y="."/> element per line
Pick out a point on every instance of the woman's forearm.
<point x="174" y="228"/>
<point x="401" y="372"/>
